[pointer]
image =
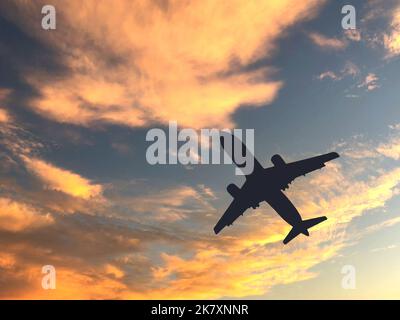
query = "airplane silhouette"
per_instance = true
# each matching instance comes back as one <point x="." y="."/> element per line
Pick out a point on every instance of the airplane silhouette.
<point x="267" y="184"/>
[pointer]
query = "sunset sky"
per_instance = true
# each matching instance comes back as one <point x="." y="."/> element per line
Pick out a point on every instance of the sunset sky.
<point x="77" y="193"/>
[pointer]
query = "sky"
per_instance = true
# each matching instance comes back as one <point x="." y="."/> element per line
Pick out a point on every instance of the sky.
<point x="77" y="193"/>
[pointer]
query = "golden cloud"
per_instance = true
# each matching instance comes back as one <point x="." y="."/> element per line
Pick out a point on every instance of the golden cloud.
<point x="15" y="216"/>
<point x="231" y="266"/>
<point x="176" y="54"/>
<point x="392" y="39"/>
<point x="173" y="204"/>
<point x="135" y="62"/>
<point x="114" y="271"/>
<point x="236" y="270"/>
<point x="69" y="285"/>
<point x="208" y="267"/>
<point x="62" y="180"/>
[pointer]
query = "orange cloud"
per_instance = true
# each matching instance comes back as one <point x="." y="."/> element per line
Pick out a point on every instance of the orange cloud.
<point x="236" y="270"/>
<point x="230" y="265"/>
<point x="136" y="62"/>
<point x="4" y="116"/>
<point x="62" y="180"/>
<point x="391" y="40"/>
<point x="233" y="273"/>
<point x="328" y="43"/>
<point x="69" y="285"/>
<point x="171" y="205"/>
<point x="15" y="216"/>
<point x="114" y="271"/>
<point x="195" y="265"/>
<point x="7" y="261"/>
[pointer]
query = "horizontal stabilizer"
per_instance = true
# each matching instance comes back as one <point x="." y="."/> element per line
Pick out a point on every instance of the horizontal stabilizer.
<point x="302" y="228"/>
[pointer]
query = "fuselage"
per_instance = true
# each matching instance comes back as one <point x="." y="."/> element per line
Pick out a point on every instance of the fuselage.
<point x="267" y="185"/>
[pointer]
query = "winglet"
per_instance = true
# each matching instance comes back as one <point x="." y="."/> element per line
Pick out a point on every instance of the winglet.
<point x="330" y="156"/>
<point x="218" y="227"/>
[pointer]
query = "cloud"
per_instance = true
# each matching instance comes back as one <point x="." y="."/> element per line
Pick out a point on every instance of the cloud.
<point x="349" y="69"/>
<point x="330" y="75"/>
<point x="395" y="126"/>
<point x="15" y="142"/>
<point x="237" y="270"/>
<point x="135" y="62"/>
<point x="326" y="42"/>
<point x="358" y="148"/>
<point x="15" y="216"/>
<point x="353" y="35"/>
<point x="370" y="82"/>
<point x="389" y="247"/>
<point x="391" y="40"/>
<point x="386" y="13"/>
<point x="4" y="116"/>
<point x="233" y="273"/>
<point x="124" y="251"/>
<point x="385" y="224"/>
<point x="390" y="149"/>
<point x="128" y="253"/>
<point x="197" y="266"/>
<point x="170" y="205"/>
<point x="63" y="180"/>
<point x="114" y="271"/>
<point x="64" y="192"/>
<point x="118" y="260"/>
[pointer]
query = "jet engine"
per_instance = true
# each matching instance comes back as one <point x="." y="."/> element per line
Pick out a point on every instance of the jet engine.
<point x="233" y="190"/>
<point x="278" y="161"/>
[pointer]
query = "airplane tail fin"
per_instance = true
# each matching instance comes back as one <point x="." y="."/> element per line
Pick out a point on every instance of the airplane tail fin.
<point x="303" y="228"/>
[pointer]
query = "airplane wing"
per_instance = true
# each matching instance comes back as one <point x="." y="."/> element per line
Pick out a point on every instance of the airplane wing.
<point x="245" y="151"/>
<point x="234" y="211"/>
<point x="299" y="168"/>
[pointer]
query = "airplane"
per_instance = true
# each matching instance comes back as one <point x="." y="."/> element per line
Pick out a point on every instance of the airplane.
<point x="267" y="184"/>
